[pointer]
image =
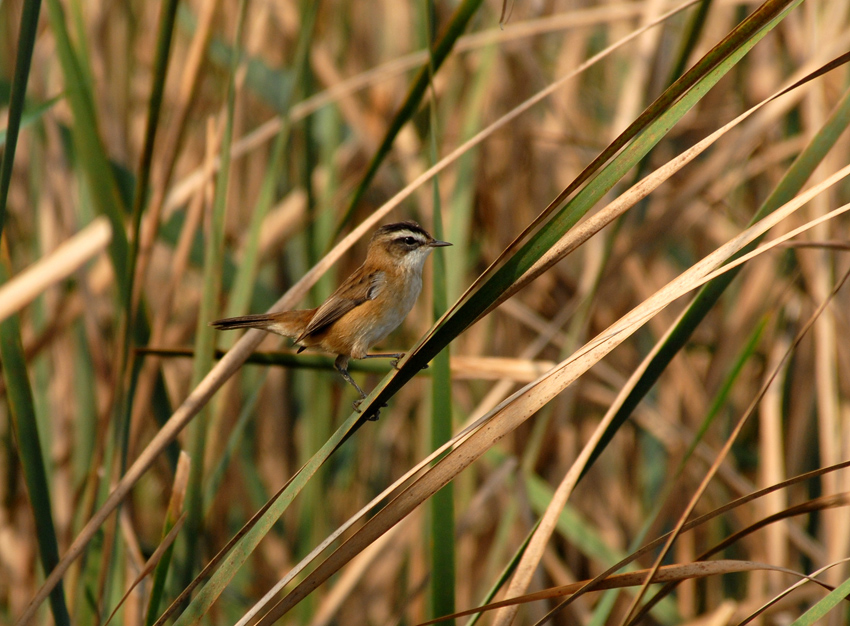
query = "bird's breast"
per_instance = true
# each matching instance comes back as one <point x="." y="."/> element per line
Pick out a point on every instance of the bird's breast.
<point x="388" y="310"/>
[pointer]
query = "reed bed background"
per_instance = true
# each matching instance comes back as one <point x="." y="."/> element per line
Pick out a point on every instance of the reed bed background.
<point x="166" y="164"/>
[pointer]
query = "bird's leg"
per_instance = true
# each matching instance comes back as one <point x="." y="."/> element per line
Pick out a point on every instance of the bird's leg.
<point x="395" y="356"/>
<point x="341" y="365"/>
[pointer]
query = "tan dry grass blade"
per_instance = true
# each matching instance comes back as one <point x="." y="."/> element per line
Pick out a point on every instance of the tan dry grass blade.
<point x="810" y="506"/>
<point x="183" y="190"/>
<point x="222" y="371"/>
<point x="724" y="451"/>
<point x="179" y="263"/>
<point x="175" y="506"/>
<point x="175" y="130"/>
<point x="534" y="552"/>
<point x="196" y="179"/>
<point x="358" y="570"/>
<point x="235" y="357"/>
<point x="640" y="190"/>
<point x="791" y="588"/>
<point x="498" y="368"/>
<point x="150" y="564"/>
<point x="473" y="442"/>
<point x="66" y="259"/>
<point x="573" y="239"/>
<point x="354" y="519"/>
<point x="668" y="573"/>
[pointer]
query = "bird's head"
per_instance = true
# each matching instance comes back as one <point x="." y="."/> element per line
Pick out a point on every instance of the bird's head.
<point x="404" y="243"/>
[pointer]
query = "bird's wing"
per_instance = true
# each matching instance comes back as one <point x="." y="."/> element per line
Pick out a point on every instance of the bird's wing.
<point x="358" y="288"/>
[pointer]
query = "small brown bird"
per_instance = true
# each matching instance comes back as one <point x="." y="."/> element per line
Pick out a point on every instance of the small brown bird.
<point x="366" y="307"/>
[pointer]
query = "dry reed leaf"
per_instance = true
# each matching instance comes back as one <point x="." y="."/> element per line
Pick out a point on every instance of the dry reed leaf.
<point x="820" y="504"/>
<point x="633" y="613"/>
<point x="720" y="616"/>
<point x="572" y="240"/>
<point x="771" y="450"/>
<point x="179" y="264"/>
<point x="348" y="581"/>
<point x="66" y="259"/>
<point x="471" y="443"/>
<point x="282" y="221"/>
<point x="246" y="344"/>
<point x="175" y="506"/>
<point x="791" y="588"/>
<point x="497" y="368"/>
<point x="151" y="563"/>
<point x="183" y="190"/>
<point x="168" y="154"/>
<point x="533" y="553"/>
<point x="667" y="573"/>
<point x="586" y="229"/>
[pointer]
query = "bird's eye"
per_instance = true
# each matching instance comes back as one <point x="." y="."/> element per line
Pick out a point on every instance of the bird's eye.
<point x="409" y="241"/>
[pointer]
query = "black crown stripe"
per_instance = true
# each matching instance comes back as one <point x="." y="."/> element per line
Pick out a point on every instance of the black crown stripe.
<point x="413" y="227"/>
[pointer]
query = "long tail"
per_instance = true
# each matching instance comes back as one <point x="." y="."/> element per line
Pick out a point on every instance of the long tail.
<point x="286" y="323"/>
<point x="263" y="320"/>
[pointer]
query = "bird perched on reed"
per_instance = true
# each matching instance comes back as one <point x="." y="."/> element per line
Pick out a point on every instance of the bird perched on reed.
<point x="366" y="307"/>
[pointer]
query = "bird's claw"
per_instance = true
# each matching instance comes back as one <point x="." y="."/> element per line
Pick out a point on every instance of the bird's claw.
<point x="394" y="363"/>
<point x="372" y="418"/>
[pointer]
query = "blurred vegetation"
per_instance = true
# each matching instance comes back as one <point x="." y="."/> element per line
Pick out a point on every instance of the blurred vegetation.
<point x="166" y="164"/>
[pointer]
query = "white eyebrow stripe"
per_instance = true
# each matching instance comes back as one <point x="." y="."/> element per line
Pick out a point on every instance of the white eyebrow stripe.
<point x="404" y="234"/>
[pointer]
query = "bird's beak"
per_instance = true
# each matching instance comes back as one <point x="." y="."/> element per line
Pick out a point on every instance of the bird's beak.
<point x="439" y="244"/>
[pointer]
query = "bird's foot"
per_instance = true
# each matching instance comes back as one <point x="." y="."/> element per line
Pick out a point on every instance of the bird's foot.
<point x="372" y="418"/>
<point x="394" y="363"/>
